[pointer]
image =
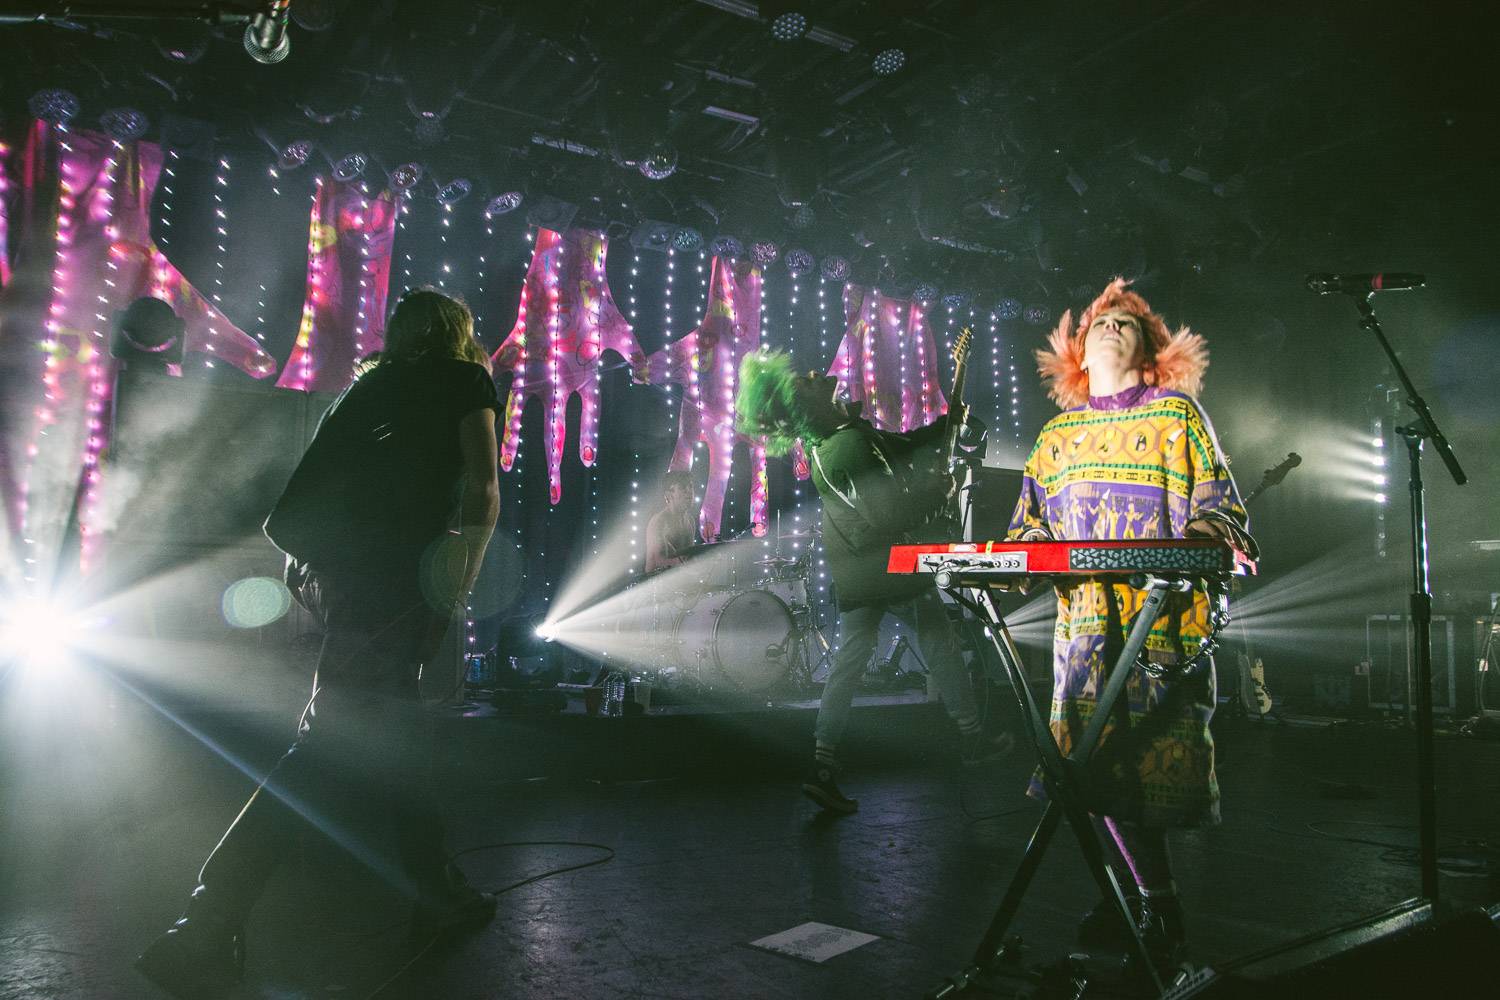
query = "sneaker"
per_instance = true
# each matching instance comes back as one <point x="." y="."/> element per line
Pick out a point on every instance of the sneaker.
<point x="978" y="747"/>
<point x="196" y="959"/>
<point x="455" y="909"/>
<point x="820" y="786"/>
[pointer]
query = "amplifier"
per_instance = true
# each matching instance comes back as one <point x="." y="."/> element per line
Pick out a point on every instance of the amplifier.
<point x="1388" y="649"/>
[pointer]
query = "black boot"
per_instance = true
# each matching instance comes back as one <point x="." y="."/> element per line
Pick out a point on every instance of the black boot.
<point x="452" y="905"/>
<point x="1163" y="929"/>
<point x="200" y="957"/>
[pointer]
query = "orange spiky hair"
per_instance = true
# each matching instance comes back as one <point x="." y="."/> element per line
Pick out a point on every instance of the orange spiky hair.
<point x="1173" y="360"/>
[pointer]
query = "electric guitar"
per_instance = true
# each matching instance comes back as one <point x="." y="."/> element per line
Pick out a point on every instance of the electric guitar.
<point x="1254" y="696"/>
<point x="928" y="460"/>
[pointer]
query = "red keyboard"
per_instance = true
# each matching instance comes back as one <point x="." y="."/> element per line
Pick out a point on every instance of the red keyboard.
<point x="1163" y="556"/>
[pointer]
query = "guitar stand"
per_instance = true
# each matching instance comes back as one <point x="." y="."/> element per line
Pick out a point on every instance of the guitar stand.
<point x="1063" y="778"/>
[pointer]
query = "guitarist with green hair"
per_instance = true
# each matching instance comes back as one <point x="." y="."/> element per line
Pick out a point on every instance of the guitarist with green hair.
<point x="873" y="498"/>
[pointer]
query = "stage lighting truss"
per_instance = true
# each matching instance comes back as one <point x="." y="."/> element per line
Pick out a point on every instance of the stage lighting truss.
<point x="503" y="203"/>
<point x="294" y="154"/>
<point x="350" y="167"/>
<point x="889" y="61"/>
<point x="789" y="27"/>
<point x="55" y="105"/>
<point x="124" y="124"/>
<point x="454" y="191"/>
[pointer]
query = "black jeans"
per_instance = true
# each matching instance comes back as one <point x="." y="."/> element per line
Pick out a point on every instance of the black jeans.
<point x="859" y="630"/>
<point x="361" y="762"/>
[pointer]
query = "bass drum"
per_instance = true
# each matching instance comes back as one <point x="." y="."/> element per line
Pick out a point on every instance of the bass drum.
<point x="735" y="636"/>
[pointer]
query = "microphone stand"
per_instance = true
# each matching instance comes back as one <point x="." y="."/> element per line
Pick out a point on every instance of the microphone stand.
<point x="1414" y="433"/>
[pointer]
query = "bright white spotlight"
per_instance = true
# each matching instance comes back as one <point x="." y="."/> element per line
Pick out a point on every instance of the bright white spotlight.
<point x="544" y="633"/>
<point x="36" y="632"/>
<point x="1380" y="498"/>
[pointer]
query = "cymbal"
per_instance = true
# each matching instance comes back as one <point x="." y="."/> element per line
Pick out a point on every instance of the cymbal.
<point x="778" y="561"/>
<point x="815" y="533"/>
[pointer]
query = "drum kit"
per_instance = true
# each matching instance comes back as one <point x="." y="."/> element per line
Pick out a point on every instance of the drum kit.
<point x="742" y="625"/>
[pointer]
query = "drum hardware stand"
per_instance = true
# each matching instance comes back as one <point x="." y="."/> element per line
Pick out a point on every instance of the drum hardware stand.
<point x="1423" y="428"/>
<point x="1062" y="776"/>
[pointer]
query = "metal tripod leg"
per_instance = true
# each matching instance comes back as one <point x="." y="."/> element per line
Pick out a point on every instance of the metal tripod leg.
<point x="1064" y="795"/>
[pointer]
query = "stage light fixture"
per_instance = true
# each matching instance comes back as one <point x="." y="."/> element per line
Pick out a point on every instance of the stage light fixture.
<point x="183" y="43"/>
<point x="925" y="293"/>
<point x="764" y="253"/>
<point x="148" y="335"/>
<point x="294" y="154"/>
<point x="1038" y="315"/>
<point x="350" y="167"/>
<point x="726" y="246"/>
<point x="429" y="130"/>
<point x="659" y="164"/>
<point x="124" y="124"/>
<point x="889" y="61"/>
<point x="789" y="26"/>
<point x="53" y="105"/>
<point x="315" y="15"/>
<point x="1008" y="309"/>
<point x="406" y="177"/>
<point x="954" y="301"/>
<point x="799" y="261"/>
<point x="454" y="191"/>
<point x="804" y="217"/>
<point x="687" y="239"/>
<point x="836" y="268"/>
<point x="36" y="632"/>
<point x="503" y="203"/>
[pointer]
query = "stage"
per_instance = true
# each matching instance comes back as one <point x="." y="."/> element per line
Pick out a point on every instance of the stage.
<point x="713" y="847"/>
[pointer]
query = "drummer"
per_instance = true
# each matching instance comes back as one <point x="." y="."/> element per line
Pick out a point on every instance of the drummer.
<point x="673" y="530"/>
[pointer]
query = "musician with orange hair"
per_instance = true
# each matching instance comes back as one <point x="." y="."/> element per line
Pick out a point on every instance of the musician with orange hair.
<point x="1132" y="455"/>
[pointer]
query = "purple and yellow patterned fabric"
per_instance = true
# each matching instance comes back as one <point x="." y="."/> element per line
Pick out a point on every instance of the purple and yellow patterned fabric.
<point x="1139" y="464"/>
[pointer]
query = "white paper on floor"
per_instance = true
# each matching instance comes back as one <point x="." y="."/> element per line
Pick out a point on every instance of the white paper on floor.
<point x="815" y="942"/>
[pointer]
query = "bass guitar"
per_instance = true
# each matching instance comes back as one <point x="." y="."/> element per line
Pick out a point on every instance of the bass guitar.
<point x="1255" y="697"/>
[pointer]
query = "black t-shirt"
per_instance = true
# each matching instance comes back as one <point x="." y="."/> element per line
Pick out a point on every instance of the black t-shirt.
<point x="380" y="482"/>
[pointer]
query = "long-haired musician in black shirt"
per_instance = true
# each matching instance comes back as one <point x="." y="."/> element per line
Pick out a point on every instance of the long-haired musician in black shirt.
<point x="385" y="522"/>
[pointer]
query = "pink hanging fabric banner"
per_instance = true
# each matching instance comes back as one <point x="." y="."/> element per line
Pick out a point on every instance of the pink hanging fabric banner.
<point x="7" y="186"/>
<point x="349" y="246"/>
<point x="706" y="364"/>
<point x="566" y="320"/>
<point x="887" y="361"/>
<point x="102" y="257"/>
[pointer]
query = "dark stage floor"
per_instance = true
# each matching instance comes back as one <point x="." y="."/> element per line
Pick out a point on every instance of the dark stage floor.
<point x="109" y="807"/>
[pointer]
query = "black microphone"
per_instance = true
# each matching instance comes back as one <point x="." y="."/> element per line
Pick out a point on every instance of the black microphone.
<point x="265" y="36"/>
<point x="1364" y="284"/>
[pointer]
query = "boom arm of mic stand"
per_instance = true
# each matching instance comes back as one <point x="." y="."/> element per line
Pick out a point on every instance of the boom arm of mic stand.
<point x="1414" y="399"/>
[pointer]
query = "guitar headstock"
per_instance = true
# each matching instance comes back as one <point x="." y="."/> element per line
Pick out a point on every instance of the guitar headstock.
<point x="961" y="346"/>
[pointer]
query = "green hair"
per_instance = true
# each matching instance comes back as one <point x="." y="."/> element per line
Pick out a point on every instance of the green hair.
<point x="767" y="404"/>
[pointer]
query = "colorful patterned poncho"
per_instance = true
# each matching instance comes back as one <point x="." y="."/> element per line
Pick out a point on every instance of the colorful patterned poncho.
<point x="1139" y="464"/>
